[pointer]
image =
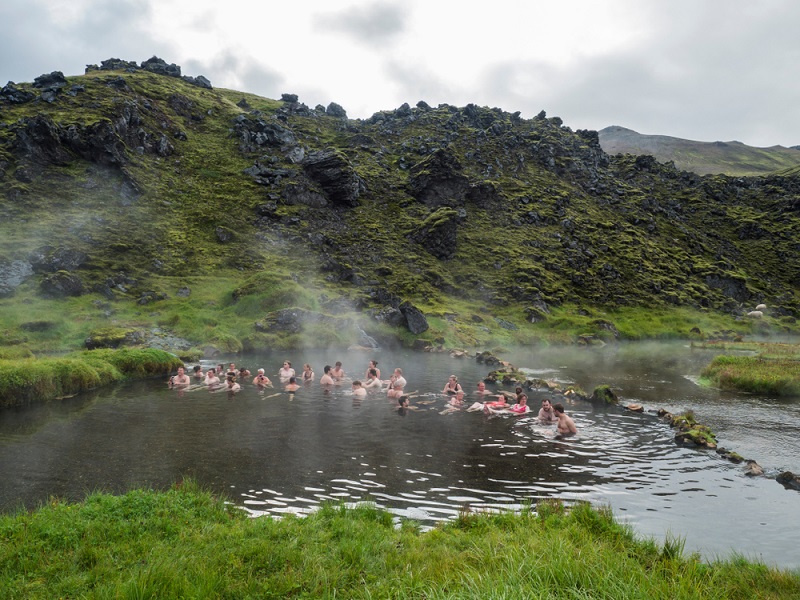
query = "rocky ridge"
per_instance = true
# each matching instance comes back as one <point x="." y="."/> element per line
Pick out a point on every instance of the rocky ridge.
<point x="398" y="215"/>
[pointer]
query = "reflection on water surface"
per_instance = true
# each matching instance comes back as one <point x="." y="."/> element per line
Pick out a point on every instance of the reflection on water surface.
<point x="287" y="453"/>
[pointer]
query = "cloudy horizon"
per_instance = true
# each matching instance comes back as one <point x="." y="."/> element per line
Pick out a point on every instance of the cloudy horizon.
<point x="706" y="70"/>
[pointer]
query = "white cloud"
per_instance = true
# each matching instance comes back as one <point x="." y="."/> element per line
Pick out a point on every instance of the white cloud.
<point x="710" y="69"/>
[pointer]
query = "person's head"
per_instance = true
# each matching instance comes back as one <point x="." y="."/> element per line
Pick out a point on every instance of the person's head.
<point x="398" y="385"/>
<point x="261" y="372"/>
<point x="481" y="386"/>
<point x="398" y="371"/>
<point x="181" y="370"/>
<point x="307" y="367"/>
<point x="242" y="370"/>
<point x="373" y="364"/>
<point x="338" y="364"/>
<point x="522" y="400"/>
<point x="373" y="373"/>
<point x="546" y="404"/>
<point x="460" y="395"/>
<point x="326" y="369"/>
<point x="232" y="367"/>
<point x="356" y="384"/>
<point x="403" y="400"/>
<point x="231" y="379"/>
<point x="559" y="408"/>
<point x="197" y="369"/>
<point x="453" y="378"/>
<point x="287" y="364"/>
<point x="517" y="390"/>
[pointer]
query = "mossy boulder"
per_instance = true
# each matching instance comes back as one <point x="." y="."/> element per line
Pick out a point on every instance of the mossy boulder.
<point x="114" y="337"/>
<point x="507" y="374"/>
<point x="696" y="434"/>
<point x="61" y="284"/>
<point x="604" y="394"/>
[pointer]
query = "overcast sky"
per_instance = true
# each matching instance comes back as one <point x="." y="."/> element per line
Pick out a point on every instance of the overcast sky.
<point x="708" y="70"/>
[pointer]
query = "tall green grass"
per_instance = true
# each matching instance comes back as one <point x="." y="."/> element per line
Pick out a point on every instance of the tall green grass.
<point x="185" y="543"/>
<point x="758" y="374"/>
<point x="29" y="380"/>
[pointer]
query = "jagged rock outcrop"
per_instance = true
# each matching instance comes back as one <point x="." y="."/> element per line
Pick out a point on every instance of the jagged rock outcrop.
<point x="295" y="320"/>
<point x="49" y="259"/>
<point x="61" y="284"/>
<point x="437" y="233"/>
<point x="10" y="93"/>
<point x="438" y="180"/>
<point x="331" y="170"/>
<point x="256" y="133"/>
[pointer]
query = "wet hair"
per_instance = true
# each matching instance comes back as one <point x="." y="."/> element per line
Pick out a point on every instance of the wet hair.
<point x="374" y="362"/>
<point x="286" y="362"/>
<point x="518" y="390"/>
<point x="326" y="369"/>
<point x="306" y="366"/>
<point x="403" y="400"/>
<point x="357" y="382"/>
<point x="373" y="372"/>
<point x="231" y="378"/>
<point x="558" y="407"/>
<point x="338" y="363"/>
<point x="197" y="368"/>
<point x="292" y="379"/>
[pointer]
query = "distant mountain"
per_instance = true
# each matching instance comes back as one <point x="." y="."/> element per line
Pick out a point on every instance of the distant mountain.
<point x="703" y="158"/>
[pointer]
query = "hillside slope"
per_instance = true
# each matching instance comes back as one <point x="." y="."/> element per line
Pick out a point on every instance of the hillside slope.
<point x="703" y="158"/>
<point x="132" y="198"/>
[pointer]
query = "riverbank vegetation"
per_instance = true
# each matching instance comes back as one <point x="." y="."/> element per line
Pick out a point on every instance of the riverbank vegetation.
<point x="222" y="313"/>
<point x="23" y="380"/>
<point x="187" y="543"/>
<point x="770" y="369"/>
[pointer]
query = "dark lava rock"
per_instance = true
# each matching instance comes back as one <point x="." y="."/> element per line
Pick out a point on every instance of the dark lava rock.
<point x="49" y="259"/>
<point x="61" y="284"/>
<point x="417" y="323"/>
<point x="335" y="175"/>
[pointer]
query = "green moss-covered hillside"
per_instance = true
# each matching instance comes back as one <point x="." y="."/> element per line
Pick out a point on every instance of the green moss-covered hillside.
<point x="202" y="218"/>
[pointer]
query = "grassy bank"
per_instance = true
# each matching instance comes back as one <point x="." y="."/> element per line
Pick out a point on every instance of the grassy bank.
<point x="29" y="379"/>
<point x="774" y="369"/>
<point x="222" y="312"/>
<point x="186" y="543"/>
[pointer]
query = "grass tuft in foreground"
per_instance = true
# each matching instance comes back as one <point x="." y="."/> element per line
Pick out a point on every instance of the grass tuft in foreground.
<point x="187" y="543"/>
